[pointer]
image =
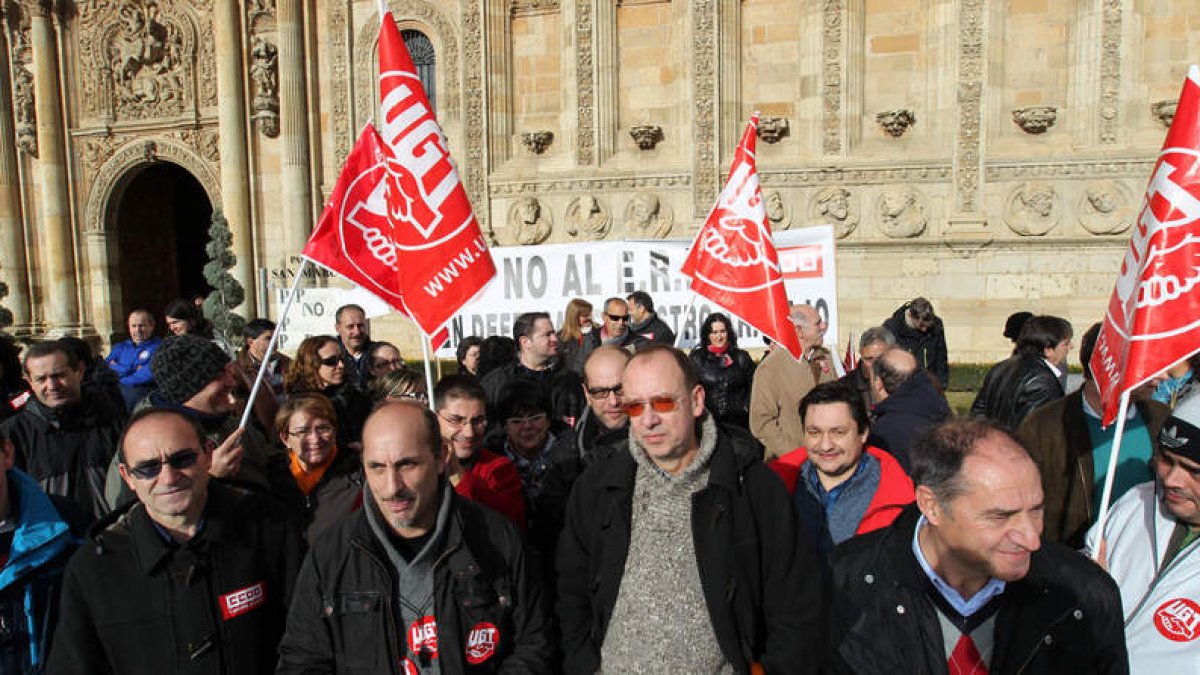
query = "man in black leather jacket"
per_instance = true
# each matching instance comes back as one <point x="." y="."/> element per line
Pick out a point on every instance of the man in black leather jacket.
<point x="1031" y="377"/>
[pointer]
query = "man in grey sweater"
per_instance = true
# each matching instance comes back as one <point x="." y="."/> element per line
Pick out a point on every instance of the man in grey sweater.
<point x="683" y="554"/>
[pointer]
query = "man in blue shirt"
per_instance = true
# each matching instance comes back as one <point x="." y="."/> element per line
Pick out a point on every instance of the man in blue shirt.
<point x="131" y="359"/>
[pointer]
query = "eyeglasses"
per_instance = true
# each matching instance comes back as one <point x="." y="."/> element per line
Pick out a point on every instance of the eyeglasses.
<point x="517" y="421"/>
<point x="322" y="430"/>
<point x="660" y="404"/>
<point x="394" y="363"/>
<point x="330" y="361"/>
<point x="617" y="317"/>
<point x="460" y="421"/>
<point x="180" y="460"/>
<point x="602" y="393"/>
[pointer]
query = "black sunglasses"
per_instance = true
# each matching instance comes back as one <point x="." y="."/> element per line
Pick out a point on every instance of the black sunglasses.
<point x="182" y="459"/>
<point x="617" y="317"/>
<point x="331" y="361"/>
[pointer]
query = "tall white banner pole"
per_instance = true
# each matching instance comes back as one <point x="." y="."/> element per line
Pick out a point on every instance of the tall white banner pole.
<point x="262" y="368"/>
<point x="1111" y="476"/>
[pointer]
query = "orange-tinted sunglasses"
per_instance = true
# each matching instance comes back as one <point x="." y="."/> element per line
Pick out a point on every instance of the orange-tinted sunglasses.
<point x="660" y="404"/>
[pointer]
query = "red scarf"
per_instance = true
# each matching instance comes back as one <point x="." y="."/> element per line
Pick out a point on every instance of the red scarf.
<point x="726" y="360"/>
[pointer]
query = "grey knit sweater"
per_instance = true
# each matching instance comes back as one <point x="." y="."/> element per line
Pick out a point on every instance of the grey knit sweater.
<point x="660" y="621"/>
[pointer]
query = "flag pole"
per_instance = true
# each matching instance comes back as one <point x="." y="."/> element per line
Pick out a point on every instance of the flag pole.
<point x="428" y="370"/>
<point x="262" y="368"/>
<point x="1111" y="476"/>
<point x="683" y="326"/>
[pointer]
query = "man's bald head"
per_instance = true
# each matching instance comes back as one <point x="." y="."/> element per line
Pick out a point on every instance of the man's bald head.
<point x="894" y="367"/>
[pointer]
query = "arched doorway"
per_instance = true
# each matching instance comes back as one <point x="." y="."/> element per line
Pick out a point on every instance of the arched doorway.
<point x="161" y="218"/>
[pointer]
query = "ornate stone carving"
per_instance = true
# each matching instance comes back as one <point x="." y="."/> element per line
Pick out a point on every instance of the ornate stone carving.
<point x="902" y="213"/>
<point x="647" y="136"/>
<point x="475" y="119"/>
<point x="1035" y="119"/>
<point x="779" y="216"/>
<point x="967" y="158"/>
<point x="588" y="217"/>
<point x="774" y="129"/>
<point x="204" y="141"/>
<point x="264" y="76"/>
<point x="1164" y="111"/>
<point x="646" y="217"/>
<point x="1106" y="208"/>
<point x="337" y="34"/>
<point x="531" y="7"/>
<point x="537" y="141"/>
<point x="1018" y="170"/>
<point x="1110" y="71"/>
<point x="578" y="185"/>
<point x="1033" y="209"/>
<point x="585" y="83"/>
<point x="831" y="75"/>
<point x="135" y="154"/>
<point x="834" y="205"/>
<point x="896" y="122"/>
<point x="24" y="109"/>
<point x="529" y="221"/>
<point x="145" y="56"/>
<point x="704" y="103"/>
<point x="841" y="175"/>
<point x="256" y="9"/>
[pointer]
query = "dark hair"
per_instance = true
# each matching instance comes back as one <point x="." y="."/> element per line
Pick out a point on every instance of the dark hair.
<point x="875" y="334"/>
<point x="643" y="299"/>
<point x="456" y="386"/>
<point x="460" y="354"/>
<point x="311" y="403"/>
<point x="304" y="373"/>
<point x="155" y="412"/>
<point x="80" y="348"/>
<point x="837" y="392"/>
<point x="888" y="372"/>
<point x="1041" y="333"/>
<point x="337" y="316"/>
<point x="10" y="363"/>
<point x="373" y="349"/>
<point x="45" y="348"/>
<point x="140" y="310"/>
<point x="433" y="429"/>
<point x="1014" y="323"/>
<point x="521" y="397"/>
<point x="496" y="351"/>
<point x="690" y="379"/>
<point x="185" y="310"/>
<point x="523" y="326"/>
<point x="938" y="453"/>
<point x="706" y="329"/>
<point x="1087" y="345"/>
<point x="256" y="327"/>
<point x="921" y="310"/>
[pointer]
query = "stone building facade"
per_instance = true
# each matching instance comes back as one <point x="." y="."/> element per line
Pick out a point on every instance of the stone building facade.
<point x="988" y="154"/>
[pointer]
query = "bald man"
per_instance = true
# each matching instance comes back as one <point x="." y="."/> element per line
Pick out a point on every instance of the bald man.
<point x="908" y="403"/>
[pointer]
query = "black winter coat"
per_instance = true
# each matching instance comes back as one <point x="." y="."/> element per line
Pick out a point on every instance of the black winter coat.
<point x="344" y="617"/>
<point x="67" y="450"/>
<point x="762" y="581"/>
<point x="655" y="331"/>
<point x="1016" y="387"/>
<point x="726" y="388"/>
<point x="563" y="387"/>
<point x="336" y="495"/>
<point x="572" y="353"/>
<point x="904" y="414"/>
<point x="1063" y="617"/>
<point x="929" y="347"/>
<point x="352" y="406"/>
<point x="134" y="603"/>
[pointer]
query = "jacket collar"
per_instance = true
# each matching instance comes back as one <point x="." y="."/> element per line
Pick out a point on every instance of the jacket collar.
<point x="41" y="533"/>
<point x="150" y="549"/>
<point x="725" y="465"/>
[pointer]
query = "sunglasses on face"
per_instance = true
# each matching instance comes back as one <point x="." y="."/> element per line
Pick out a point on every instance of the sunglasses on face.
<point x="602" y="393"/>
<point x="660" y="404"/>
<point x="330" y="361"/>
<point x="618" y="317"/>
<point x="180" y="460"/>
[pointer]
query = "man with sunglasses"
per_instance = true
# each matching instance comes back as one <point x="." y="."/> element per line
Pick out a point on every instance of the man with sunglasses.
<point x="684" y="553"/>
<point x="193" y="576"/>
<point x="615" y="330"/>
<point x="646" y="327"/>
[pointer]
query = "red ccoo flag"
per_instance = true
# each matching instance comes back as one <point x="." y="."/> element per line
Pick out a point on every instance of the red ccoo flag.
<point x="1153" y="318"/>
<point x="733" y="261"/>
<point x="442" y="259"/>
<point x="850" y="360"/>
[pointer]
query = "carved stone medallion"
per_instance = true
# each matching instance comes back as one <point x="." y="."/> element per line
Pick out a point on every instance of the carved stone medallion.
<point x="1106" y="208"/>
<point x="835" y="206"/>
<point x="779" y="216"/>
<point x="902" y="213"/>
<point x="647" y="217"/>
<point x="1033" y="209"/>
<point x="587" y="217"/>
<point x="529" y="221"/>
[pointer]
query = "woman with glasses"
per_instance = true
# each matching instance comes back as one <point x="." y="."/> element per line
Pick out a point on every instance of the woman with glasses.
<point x="318" y="368"/>
<point x="577" y="338"/>
<point x="400" y="385"/>
<point x="726" y="371"/>
<point x="315" y="480"/>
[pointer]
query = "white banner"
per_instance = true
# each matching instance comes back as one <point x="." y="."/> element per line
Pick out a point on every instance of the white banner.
<point x="545" y="278"/>
<point x="313" y="312"/>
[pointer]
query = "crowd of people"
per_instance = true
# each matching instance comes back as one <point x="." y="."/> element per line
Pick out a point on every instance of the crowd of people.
<point x="589" y="499"/>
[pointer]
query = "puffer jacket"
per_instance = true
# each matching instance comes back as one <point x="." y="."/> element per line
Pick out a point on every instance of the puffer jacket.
<point x="1014" y="388"/>
<point x="726" y="385"/>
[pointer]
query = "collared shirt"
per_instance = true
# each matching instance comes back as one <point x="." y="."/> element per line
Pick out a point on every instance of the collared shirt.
<point x="961" y="605"/>
<point x="1091" y="412"/>
<point x="1053" y="368"/>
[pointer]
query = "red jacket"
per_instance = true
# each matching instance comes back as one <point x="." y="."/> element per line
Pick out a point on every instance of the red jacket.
<point x="493" y="481"/>
<point x="895" y="489"/>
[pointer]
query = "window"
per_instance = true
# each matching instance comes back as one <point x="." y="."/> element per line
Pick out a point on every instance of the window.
<point x="425" y="60"/>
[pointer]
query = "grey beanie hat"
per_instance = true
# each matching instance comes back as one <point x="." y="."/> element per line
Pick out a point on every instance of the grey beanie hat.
<point x="185" y="364"/>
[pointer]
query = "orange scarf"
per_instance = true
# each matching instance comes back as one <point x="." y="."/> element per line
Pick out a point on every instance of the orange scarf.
<point x="307" y="480"/>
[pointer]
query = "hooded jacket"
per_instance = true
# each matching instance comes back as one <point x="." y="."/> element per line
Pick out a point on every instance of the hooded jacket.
<point x="929" y="347"/>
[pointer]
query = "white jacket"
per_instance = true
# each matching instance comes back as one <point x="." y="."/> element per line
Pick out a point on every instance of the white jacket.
<point x="1162" y="612"/>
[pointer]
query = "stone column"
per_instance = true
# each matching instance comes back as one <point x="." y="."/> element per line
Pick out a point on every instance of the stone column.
<point x="293" y="128"/>
<point x="12" y="230"/>
<point x="231" y="121"/>
<point x="57" y="273"/>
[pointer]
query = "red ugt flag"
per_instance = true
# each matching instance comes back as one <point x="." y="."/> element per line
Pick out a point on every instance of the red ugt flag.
<point x="733" y="261"/>
<point x="353" y="237"/>
<point x="442" y="258"/>
<point x="1153" y="318"/>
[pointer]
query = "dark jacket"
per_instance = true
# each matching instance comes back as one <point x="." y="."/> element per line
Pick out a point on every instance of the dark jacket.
<point x="352" y="406"/>
<point x="48" y="529"/>
<point x="67" y="450"/>
<point x="344" y="617"/>
<point x="762" y="581"/>
<point x="1057" y="437"/>
<point x="336" y="495"/>
<point x="726" y="387"/>
<point x="572" y="353"/>
<point x="135" y="603"/>
<point x="358" y="373"/>
<point x="654" y="330"/>
<point x="904" y="414"/>
<point x="1014" y="388"/>
<point x="860" y="382"/>
<point x="929" y="347"/>
<point x="1063" y="617"/>
<point x="562" y="387"/>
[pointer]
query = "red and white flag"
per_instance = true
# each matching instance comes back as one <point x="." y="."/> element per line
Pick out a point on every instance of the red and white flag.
<point x="850" y="360"/>
<point x="733" y="261"/>
<point x="441" y="257"/>
<point x="1153" y="318"/>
